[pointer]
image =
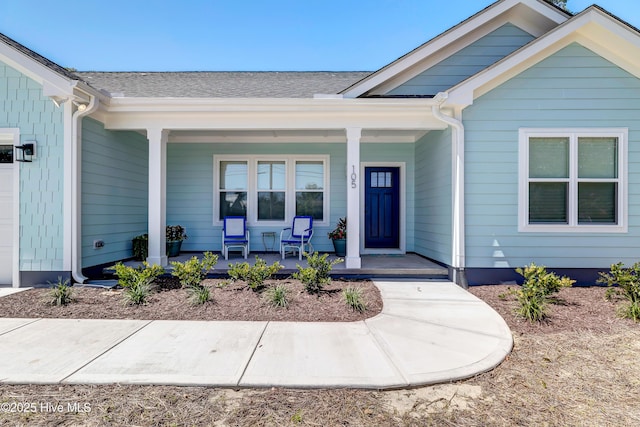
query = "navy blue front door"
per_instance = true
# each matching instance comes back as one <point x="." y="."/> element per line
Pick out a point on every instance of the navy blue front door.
<point x="382" y="207"/>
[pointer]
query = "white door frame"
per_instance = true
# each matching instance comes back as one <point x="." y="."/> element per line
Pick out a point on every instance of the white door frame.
<point x="12" y="136"/>
<point x="403" y="208"/>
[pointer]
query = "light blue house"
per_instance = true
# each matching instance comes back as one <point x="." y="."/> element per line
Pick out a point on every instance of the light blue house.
<point x="512" y="137"/>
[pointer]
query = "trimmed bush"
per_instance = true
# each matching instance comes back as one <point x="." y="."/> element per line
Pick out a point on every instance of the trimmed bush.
<point x="628" y="282"/>
<point x="192" y="272"/>
<point x="534" y="293"/>
<point x="254" y="275"/>
<point x="316" y="275"/>
<point x="136" y="281"/>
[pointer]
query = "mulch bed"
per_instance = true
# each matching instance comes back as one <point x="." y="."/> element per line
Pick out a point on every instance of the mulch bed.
<point x="231" y="302"/>
<point x="574" y="309"/>
<point x="579" y="367"/>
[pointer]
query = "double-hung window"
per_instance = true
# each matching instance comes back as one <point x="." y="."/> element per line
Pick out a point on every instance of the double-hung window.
<point x="573" y="180"/>
<point x="271" y="189"/>
<point x="232" y="188"/>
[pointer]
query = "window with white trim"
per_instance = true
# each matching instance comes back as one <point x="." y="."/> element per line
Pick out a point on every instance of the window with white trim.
<point x="573" y="180"/>
<point x="271" y="189"/>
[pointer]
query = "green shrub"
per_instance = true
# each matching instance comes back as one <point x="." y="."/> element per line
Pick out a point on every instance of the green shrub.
<point x="628" y="282"/>
<point x="316" y="275"/>
<point x="199" y="294"/>
<point x="353" y="297"/>
<point x="278" y="296"/>
<point x="61" y="293"/>
<point x="192" y="272"/>
<point x="239" y="271"/>
<point x="534" y="293"/>
<point x="254" y="275"/>
<point x="137" y="281"/>
<point x="129" y="276"/>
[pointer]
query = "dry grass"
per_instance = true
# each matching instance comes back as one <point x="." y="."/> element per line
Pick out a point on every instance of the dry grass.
<point x="559" y="374"/>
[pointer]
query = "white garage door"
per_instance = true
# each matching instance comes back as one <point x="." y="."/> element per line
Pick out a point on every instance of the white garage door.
<point x="6" y="216"/>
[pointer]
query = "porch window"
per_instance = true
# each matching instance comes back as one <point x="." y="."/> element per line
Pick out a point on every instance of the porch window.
<point x="271" y="189"/>
<point x="310" y="189"/>
<point x="233" y="188"/>
<point x="573" y="180"/>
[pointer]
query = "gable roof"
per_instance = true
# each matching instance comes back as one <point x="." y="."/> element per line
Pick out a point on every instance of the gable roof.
<point x="38" y="58"/>
<point x="221" y="84"/>
<point x="534" y="16"/>
<point x="594" y="28"/>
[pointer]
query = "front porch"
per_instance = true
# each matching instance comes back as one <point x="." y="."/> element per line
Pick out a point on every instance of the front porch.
<point x="406" y="266"/>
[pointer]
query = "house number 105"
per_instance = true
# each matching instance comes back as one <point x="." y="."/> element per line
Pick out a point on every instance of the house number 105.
<point x="354" y="177"/>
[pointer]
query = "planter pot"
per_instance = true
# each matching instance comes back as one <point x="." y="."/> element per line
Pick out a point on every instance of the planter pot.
<point x="340" y="246"/>
<point x="173" y="248"/>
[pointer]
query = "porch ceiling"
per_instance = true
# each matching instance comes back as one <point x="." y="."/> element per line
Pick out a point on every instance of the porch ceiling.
<point x="294" y="136"/>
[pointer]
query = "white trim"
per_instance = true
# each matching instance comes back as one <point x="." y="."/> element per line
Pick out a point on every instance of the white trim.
<point x="70" y="172"/>
<point x="572" y="227"/>
<point x="52" y="82"/>
<point x="13" y="135"/>
<point x="252" y="186"/>
<point x="402" y="166"/>
<point x="157" y="216"/>
<point x="193" y="114"/>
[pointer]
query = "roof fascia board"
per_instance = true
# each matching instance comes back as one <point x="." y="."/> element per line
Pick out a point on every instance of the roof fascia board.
<point x="578" y="29"/>
<point x="147" y="105"/>
<point x="53" y="83"/>
<point x="449" y="38"/>
<point x="294" y="115"/>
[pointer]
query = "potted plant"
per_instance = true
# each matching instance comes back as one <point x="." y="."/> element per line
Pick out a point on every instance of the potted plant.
<point x="140" y="245"/>
<point x="175" y="235"/>
<point x="339" y="237"/>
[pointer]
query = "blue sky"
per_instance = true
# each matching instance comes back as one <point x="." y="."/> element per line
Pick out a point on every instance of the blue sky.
<point x="240" y="35"/>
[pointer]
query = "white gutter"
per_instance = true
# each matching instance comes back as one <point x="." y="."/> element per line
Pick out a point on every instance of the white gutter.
<point x="458" y="231"/>
<point x="76" y="183"/>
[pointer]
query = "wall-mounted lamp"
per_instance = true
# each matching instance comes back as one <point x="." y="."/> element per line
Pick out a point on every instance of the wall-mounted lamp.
<point x="81" y="107"/>
<point x="25" y="152"/>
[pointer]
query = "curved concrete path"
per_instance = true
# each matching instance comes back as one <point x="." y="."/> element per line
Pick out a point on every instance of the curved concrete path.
<point x="428" y="332"/>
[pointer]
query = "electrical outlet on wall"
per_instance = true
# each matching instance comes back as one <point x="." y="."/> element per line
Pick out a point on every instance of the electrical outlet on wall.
<point x="97" y="244"/>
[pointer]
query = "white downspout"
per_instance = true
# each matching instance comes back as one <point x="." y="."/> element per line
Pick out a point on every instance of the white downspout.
<point x="76" y="183"/>
<point x="458" y="229"/>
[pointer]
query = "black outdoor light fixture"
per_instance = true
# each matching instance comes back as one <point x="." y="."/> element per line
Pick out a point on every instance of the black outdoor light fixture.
<point x="25" y="152"/>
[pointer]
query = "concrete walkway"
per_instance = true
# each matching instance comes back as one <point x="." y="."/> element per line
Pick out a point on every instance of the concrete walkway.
<point x="428" y="332"/>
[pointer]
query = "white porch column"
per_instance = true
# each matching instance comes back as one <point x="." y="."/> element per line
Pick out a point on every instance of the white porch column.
<point x="157" y="195"/>
<point x="353" y="198"/>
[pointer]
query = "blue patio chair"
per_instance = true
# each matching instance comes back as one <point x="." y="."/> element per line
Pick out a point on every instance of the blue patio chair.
<point x="298" y="237"/>
<point x="235" y="235"/>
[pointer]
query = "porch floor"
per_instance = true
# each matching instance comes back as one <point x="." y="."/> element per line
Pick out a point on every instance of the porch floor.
<point x="372" y="266"/>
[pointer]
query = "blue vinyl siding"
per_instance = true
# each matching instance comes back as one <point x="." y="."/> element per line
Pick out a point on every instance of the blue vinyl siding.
<point x="433" y="207"/>
<point x="572" y="88"/>
<point x="114" y="192"/>
<point x="466" y="62"/>
<point x="42" y="181"/>
<point x="190" y="189"/>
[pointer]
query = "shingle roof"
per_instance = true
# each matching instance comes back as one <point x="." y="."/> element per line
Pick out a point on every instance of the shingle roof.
<point x="242" y="84"/>
<point x="39" y="58"/>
